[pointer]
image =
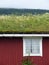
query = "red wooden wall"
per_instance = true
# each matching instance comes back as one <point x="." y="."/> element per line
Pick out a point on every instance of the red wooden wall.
<point x="11" y="52"/>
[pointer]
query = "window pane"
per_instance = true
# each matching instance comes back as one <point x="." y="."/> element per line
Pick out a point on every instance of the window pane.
<point x="36" y="42"/>
<point x="35" y="49"/>
<point x="28" y="45"/>
<point x="35" y="46"/>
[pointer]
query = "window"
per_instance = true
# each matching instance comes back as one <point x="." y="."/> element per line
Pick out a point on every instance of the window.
<point x="32" y="46"/>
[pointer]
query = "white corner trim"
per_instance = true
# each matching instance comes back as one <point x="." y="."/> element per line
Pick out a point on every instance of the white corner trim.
<point x="24" y="35"/>
<point x="40" y="54"/>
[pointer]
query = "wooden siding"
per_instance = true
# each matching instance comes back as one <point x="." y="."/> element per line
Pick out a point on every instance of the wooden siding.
<point x="11" y="52"/>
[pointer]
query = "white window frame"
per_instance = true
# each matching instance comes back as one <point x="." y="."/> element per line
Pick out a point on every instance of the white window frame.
<point x="24" y="52"/>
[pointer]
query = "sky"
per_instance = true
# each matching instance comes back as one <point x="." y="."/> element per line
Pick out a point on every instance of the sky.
<point x="27" y="4"/>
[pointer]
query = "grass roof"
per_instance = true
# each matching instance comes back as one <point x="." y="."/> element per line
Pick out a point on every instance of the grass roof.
<point x="24" y="23"/>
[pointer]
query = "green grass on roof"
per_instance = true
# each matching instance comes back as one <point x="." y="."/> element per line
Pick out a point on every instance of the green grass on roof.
<point x="25" y="24"/>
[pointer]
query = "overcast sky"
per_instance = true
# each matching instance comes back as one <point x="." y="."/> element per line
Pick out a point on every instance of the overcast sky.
<point x="30" y="4"/>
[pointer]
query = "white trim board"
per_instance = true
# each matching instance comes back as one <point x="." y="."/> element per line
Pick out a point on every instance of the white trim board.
<point x="24" y="35"/>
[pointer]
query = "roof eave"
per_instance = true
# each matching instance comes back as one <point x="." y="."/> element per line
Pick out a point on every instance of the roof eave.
<point x="24" y="35"/>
